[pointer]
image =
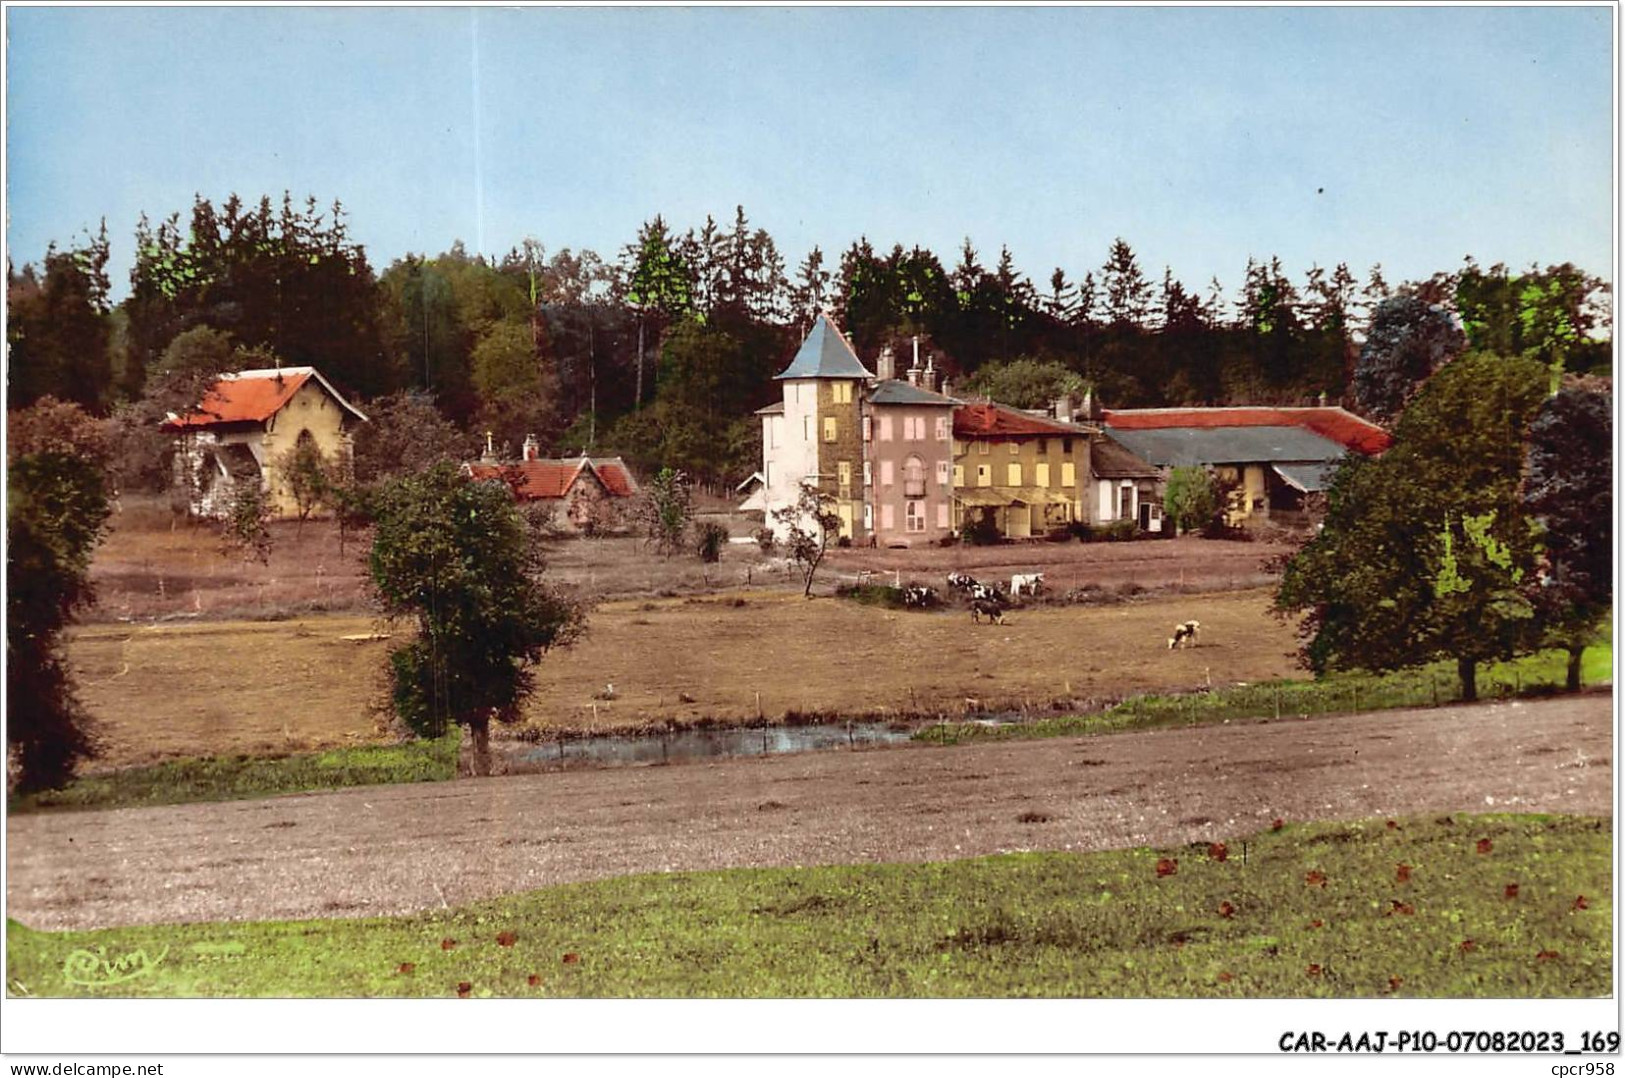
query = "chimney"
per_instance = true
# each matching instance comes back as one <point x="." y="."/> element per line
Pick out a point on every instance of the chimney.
<point x="945" y="392"/>
<point x="886" y="365"/>
<point x="1063" y="408"/>
<point x="532" y="448"/>
<point x="490" y="454"/>
<point x="930" y="378"/>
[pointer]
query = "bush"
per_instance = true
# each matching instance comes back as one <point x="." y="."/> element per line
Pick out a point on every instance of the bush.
<point x="871" y="594"/>
<point x="709" y="540"/>
<point x="764" y="539"/>
<point x="982" y="532"/>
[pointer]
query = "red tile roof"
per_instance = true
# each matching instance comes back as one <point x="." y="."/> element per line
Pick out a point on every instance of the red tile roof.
<point x="252" y="397"/>
<point x="536" y="479"/>
<point x="1342" y="427"/>
<point x="989" y="420"/>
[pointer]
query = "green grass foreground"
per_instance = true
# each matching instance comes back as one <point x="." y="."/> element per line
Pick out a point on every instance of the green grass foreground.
<point x="1540" y="674"/>
<point x="224" y="778"/>
<point x="1322" y="909"/>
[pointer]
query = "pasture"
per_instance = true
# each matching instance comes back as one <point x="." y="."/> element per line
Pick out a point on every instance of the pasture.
<point x="214" y="688"/>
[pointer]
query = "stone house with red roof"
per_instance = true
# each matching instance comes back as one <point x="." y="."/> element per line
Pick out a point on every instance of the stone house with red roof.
<point x="587" y="495"/>
<point x="244" y="426"/>
<point x="1026" y="474"/>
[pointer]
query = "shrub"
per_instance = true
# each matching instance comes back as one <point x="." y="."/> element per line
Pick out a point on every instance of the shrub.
<point x="982" y="532"/>
<point x="764" y="539"/>
<point x="708" y="541"/>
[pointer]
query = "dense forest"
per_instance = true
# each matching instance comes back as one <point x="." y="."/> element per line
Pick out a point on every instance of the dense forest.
<point x="661" y="351"/>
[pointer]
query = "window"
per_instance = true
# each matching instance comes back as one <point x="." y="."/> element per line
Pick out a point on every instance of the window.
<point x="984" y="475"/>
<point x="830" y="429"/>
<point x="1066" y="446"/>
<point x="843" y="473"/>
<point x="806" y="428"/>
<point x="914" y="428"/>
<point x="1041" y="473"/>
<point x="1013" y="474"/>
<point x="868" y="428"/>
<point x="1014" y="448"/>
<point x="984" y="448"/>
<point x="1125" y="502"/>
<point x="888" y="517"/>
<point x="1069" y="473"/>
<point x="915" y="517"/>
<point x="885" y="473"/>
<point x="841" y="392"/>
<point x="868" y="517"/>
<point x="1043" y="447"/>
<point x="959" y="475"/>
<point x="942" y="473"/>
<point x="959" y="448"/>
<point x="942" y="515"/>
<point x="885" y="428"/>
<point x="914" y="477"/>
<point x="942" y="428"/>
<point x="868" y="473"/>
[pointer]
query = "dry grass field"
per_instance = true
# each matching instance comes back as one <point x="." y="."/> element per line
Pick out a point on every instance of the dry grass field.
<point x="168" y="690"/>
<point x="153" y="566"/>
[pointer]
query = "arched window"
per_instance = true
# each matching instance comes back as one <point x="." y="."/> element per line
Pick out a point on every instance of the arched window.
<point x="914" y="477"/>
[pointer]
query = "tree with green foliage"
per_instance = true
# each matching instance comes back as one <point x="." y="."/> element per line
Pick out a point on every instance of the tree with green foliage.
<point x="406" y="434"/>
<point x="1409" y="339"/>
<point x="288" y="279"/>
<point x="1025" y="382"/>
<point x="810" y="521"/>
<point x="57" y="505"/>
<point x="457" y="558"/>
<point x="246" y="528"/>
<point x="58" y="328"/>
<point x="709" y="539"/>
<point x="1426" y="551"/>
<point x="659" y="286"/>
<point x="307" y="477"/>
<point x="664" y="508"/>
<point x="1569" y="492"/>
<point x="1192" y="498"/>
<point x="517" y="390"/>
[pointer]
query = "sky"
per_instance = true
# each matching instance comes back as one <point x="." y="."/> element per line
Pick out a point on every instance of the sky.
<point x="1412" y="137"/>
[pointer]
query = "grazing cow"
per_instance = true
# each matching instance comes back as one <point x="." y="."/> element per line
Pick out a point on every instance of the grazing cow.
<point x="920" y="596"/>
<point x="958" y="581"/>
<point x="980" y="608"/>
<point x="1026" y="584"/>
<point x="987" y="593"/>
<point x="1184" y="633"/>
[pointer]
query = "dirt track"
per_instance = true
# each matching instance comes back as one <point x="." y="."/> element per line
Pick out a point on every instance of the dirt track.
<point x="385" y="850"/>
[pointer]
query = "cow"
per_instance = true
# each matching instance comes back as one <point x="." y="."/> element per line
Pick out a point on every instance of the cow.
<point x="1184" y="633"/>
<point x="1026" y="584"/>
<point x="980" y="608"/>
<point x="958" y="581"/>
<point x="987" y="593"/>
<point x="920" y="596"/>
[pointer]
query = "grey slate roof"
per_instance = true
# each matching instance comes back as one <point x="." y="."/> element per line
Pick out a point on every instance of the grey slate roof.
<point x="1309" y="478"/>
<point x="897" y="391"/>
<point x="776" y="408"/>
<point x="825" y="354"/>
<point x="1178" y="447"/>
<point x="1109" y="460"/>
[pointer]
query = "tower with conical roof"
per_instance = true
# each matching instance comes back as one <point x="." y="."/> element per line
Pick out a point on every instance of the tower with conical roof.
<point x="813" y="436"/>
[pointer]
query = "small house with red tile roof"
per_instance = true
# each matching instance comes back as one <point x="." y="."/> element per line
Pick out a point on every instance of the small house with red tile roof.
<point x="244" y="426"/>
<point x="1276" y="457"/>
<point x="587" y="495"/>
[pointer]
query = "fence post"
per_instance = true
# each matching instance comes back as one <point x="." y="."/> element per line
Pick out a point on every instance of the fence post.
<point x="1277" y="701"/>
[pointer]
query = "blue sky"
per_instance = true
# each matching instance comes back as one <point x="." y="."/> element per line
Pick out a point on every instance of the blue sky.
<point x="1410" y="137"/>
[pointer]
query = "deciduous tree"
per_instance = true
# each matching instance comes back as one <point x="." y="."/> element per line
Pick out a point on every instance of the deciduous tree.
<point x="1426" y="551"/>
<point x="457" y="558"/>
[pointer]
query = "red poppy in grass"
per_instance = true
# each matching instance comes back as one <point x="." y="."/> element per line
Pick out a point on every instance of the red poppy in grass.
<point x="1580" y="903"/>
<point x="1167" y="866"/>
<point x="1227" y="909"/>
<point x="1218" y="851"/>
<point x="1403" y="873"/>
<point x="1512" y="890"/>
<point x="463" y="989"/>
<point x="1485" y="845"/>
<point x="533" y="980"/>
<point x="571" y="959"/>
<point x="506" y="939"/>
<point x="447" y="944"/>
<point x="1315" y="878"/>
<point x="406" y="967"/>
